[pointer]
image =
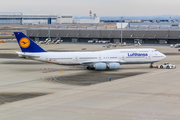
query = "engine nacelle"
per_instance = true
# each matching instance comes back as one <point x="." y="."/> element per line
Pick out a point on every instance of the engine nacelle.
<point x="100" y="66"/>
<point x="104" y="66"/>
<point x="113" y="66"/>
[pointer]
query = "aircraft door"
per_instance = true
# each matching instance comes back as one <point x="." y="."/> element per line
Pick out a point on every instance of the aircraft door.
<point x="76" y="58"/>
<point x="123" y="56"/>
<point x="47" y="59"/>
<point x="99" y="57"/>
<point x="149" y="56"/>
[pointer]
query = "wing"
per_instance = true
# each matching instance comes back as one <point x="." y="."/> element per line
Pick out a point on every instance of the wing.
<point x="88" y="63"/>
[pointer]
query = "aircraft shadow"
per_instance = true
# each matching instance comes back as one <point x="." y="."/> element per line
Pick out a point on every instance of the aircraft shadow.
<point x="89" y="78"/>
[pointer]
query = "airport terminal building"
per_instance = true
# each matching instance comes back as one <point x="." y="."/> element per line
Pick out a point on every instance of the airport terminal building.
<point x="154" y="33"/>
<point x="147" y="36"/>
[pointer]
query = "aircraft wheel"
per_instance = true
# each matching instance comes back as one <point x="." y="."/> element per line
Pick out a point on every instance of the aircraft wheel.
<point x="161" y="67"/>
<point x="88" y="67"/>
<point x="168" y="67"/>
<point x="92" y="68"/>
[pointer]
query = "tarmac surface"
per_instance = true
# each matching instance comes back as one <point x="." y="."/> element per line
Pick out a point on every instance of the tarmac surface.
<point x="35" y="90"/>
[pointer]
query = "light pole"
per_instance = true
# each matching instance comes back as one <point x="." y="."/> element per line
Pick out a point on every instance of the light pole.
<point x="49" y="22"/>
<point x="121" y="30"/>
<point x="49" y="31"/>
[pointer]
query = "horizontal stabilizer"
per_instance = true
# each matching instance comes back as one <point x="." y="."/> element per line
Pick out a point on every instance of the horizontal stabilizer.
<point x="27" y="56"/>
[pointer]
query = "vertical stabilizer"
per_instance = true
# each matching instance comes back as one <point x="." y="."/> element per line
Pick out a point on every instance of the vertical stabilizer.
<point x="26" y="44"/>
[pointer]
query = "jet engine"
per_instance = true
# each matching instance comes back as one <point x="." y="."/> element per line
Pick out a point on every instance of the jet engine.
<point x="104" y="66"/>
<point x="99" y="66"/>
<point x="113" y="66"/>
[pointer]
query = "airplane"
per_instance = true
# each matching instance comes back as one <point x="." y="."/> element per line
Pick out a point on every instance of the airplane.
<point x="99" y="60"/>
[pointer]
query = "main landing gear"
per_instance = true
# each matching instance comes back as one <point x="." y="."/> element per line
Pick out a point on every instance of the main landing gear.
<point x="151" y="66"/>
<point x="90" y="68"/>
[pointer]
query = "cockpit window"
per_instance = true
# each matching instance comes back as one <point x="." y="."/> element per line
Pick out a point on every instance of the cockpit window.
<point x="155" y="50"/>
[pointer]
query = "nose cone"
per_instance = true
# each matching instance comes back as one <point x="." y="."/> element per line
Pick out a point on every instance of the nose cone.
<point x="163" y="56"/>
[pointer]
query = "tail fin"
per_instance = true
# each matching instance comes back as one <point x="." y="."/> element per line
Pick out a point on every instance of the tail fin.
<point x="26" y="44"/>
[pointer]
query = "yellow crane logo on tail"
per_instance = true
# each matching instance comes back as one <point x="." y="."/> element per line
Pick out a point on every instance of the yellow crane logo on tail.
<point x="24" y="42"/>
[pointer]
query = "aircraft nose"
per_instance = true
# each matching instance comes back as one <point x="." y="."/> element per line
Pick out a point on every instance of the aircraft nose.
<point x="163" y="55"/>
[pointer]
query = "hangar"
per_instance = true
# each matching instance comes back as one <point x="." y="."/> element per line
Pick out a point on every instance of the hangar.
<point x="17" y="18"/>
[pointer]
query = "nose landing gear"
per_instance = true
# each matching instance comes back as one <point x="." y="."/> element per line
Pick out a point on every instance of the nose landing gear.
<point x="151" y="65"/>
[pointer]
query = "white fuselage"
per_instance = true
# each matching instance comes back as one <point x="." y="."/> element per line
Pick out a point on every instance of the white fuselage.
<point x="122" y="56"/>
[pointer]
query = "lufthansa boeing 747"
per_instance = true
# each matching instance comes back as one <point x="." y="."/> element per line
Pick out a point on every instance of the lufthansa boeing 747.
<point x="100" y="60"/>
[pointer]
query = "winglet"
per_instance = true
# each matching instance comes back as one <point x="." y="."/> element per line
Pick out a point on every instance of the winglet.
<point x="26" y="44"/>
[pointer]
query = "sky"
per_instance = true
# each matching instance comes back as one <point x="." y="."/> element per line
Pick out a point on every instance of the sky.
<point x="100" y="7"/>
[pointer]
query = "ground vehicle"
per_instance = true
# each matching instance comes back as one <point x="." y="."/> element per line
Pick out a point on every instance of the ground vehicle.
<point x="100" y="41"/>
<point x="96" y="41"/>
<point x="105" y="41"/>
<point x="91" y="41"/>
<point x="167" y="66"/>
<point x="177" y="45"/>
<point x="138" y="44"/>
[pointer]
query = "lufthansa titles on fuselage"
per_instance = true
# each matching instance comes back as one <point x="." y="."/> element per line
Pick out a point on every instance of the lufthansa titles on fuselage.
<point x="137" y="54"/>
